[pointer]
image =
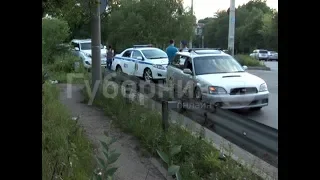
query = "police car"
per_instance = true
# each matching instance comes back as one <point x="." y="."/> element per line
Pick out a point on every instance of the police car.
<point x="142" y="61"/>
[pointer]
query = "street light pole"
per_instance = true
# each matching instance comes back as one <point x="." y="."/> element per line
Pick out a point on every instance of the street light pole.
<point x="190" y="43"/>
<point x="231" y="27"/>
<point x="96" y="43"/>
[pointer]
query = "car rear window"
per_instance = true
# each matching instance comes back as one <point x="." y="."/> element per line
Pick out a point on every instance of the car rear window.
<point x="263" y="52"/>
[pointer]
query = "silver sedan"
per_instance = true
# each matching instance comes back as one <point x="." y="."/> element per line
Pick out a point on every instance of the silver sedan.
<point x="272" y="55"/>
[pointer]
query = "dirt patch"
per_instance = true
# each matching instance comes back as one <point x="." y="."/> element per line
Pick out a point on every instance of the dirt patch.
<point x="134" y="163"/>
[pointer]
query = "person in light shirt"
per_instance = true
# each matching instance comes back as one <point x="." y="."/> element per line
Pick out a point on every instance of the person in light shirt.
<point x="184" y="47"/>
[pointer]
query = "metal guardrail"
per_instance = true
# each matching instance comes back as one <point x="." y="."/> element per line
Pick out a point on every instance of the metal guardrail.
<point x="254" y="137"/>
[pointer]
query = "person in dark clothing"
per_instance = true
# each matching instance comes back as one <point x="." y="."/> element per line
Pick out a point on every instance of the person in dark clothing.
<point x="109" y="57"/>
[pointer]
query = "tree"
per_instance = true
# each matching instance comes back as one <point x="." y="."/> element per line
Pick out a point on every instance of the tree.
<point x="148" y="21"/>
<point x="256" y="27"/>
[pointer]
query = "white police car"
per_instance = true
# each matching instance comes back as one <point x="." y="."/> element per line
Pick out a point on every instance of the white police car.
<point x="142" y="61"/>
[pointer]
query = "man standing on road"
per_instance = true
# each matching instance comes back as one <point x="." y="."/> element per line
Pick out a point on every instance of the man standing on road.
<point x="184" y="46"/>
<point x="171" y="51"/>
<point x="109" y="57"/>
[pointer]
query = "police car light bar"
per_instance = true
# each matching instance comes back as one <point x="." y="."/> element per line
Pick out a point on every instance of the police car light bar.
<point x="147" y="45"/>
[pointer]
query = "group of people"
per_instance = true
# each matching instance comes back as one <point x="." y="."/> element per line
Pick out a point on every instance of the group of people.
<point x="172" y="50"/>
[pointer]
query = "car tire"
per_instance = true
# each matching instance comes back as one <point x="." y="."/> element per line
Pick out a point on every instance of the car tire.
<point x="147" y="75"/>
<point x="118" y="69"/>
<point x="255" y="108"/>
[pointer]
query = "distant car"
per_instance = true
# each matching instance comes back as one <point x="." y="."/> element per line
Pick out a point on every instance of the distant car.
<point x="273" y="55"/>
<point x="142" y="61"/>
<point x="260" y="54"/>
<point x="82" y="49"/>
<point x="217" y="79"/>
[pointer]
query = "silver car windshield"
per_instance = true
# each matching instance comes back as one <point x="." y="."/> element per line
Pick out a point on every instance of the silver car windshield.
<point x="216" y="64"/>
<point x="87" y="46"/>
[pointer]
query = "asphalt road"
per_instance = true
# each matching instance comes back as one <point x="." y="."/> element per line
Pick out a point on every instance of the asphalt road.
<point x="267" y="115"/>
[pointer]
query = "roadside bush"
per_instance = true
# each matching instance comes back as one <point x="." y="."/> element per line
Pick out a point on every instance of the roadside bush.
<point x="54" y="32"/>
<point x="63" y="65"/>
<point x="66" y="152"/>
<point x="197" y="159"/>
<point x="246" y="60"/>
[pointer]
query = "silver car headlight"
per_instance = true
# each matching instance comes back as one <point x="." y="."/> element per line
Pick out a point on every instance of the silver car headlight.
<point x="216" y="90"/>
<point x="158" y="66"/>
<point x="263" y="87"/>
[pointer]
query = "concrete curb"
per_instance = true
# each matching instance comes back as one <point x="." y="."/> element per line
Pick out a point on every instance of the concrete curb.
<point x="259" y="68"/>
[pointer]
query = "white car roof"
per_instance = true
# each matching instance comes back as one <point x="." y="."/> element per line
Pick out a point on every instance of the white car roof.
<point x="193" y="55"/>
<point x="141" y="48"/>
<point x="81" y="40"/>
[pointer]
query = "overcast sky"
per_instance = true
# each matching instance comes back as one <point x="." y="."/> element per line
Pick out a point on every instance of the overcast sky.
<point x="206" y="8"/>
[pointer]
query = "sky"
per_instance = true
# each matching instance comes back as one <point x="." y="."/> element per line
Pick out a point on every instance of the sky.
<point x="206" y="8"/>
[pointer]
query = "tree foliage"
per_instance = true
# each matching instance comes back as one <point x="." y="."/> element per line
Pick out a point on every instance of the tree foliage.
<point x="54" y="32"/>
<point x="148" y="21"/>
<point x="128" y="22"/>
<point x="256" y="27"/>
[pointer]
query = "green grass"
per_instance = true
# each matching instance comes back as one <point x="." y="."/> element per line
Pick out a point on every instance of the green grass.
<point x="197" y="159"/>
<point x="63" y="142"/>
<point x="63" y="66"/>
<point x="246" y="60"/>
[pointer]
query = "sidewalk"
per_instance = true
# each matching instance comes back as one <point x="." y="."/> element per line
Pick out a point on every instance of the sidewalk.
<point x="134" y="163"/>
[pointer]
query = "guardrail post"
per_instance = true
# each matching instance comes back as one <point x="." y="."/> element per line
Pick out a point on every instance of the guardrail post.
<point x="166" y="106"/>
<point x="127" y="94"/>
<point x="165" y="115"/>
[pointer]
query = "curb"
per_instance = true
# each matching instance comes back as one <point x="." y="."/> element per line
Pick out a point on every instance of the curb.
<point x="259" y="68"/>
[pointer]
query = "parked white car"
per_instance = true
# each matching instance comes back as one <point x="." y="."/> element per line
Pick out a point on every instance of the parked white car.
<point x="217" y="79"/>
<point x="142" y="61"/>
<point x="260" y="54"/>
<point x="273" y="55"/>
<point x="82" y="49"/>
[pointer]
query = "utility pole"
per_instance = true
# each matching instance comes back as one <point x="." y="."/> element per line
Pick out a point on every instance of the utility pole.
<point x="190" y="43"/>
<point x="202" y="38"/>
<point x="231" y="27"/>
<point x="96" y="43"/>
